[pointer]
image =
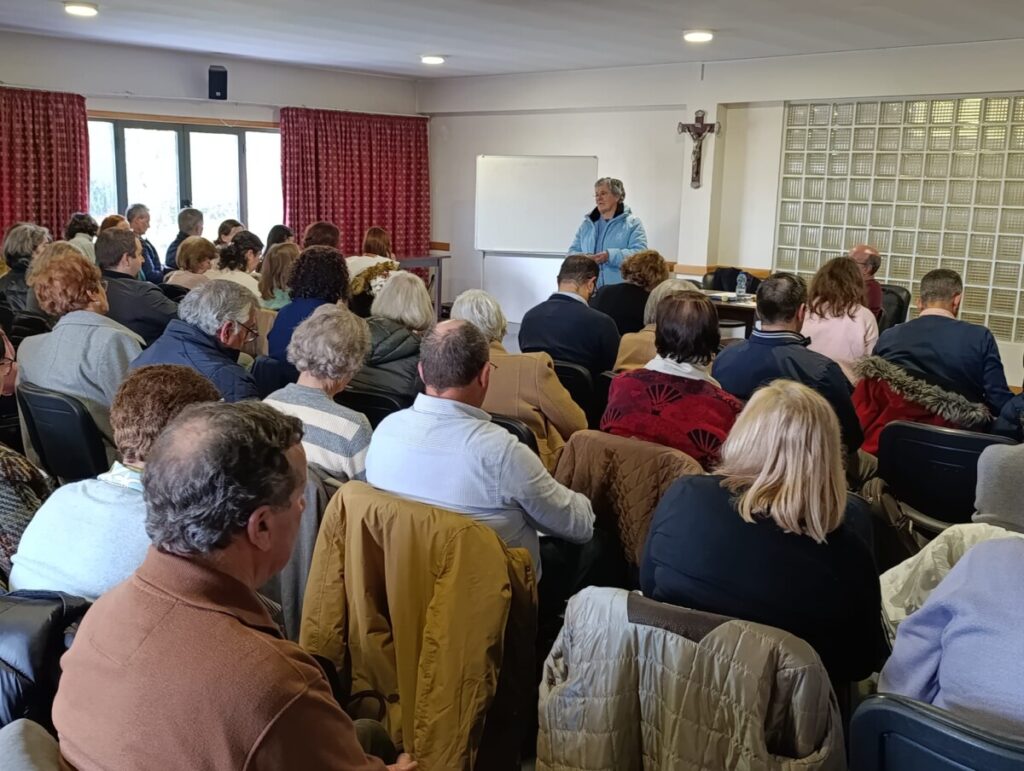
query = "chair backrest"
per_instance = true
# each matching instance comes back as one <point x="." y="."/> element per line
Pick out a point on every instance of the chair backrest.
<point x="895" y="306"/>
<point x="375" y="405"/>
<point x="894" y="733"/>
<point x="934" y="470"/>
<point x="174" y="292"/>
<point x="580" y="385"/>
<point x="25" y="324"/>
<point x="723" y="279"/>
<point x="518" y="429"/>
<point x="271" y="374"/>
<point x="63" y="433"/>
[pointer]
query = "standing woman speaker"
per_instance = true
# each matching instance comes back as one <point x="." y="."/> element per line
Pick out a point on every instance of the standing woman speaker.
<point x="611" y="232"/>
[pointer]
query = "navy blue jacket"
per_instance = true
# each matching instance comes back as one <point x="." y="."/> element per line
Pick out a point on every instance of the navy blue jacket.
<point x="171" y="257"/>
<point x="139" y="305"/>
<point x="744" y="367"/>
<point x="151" y="268"/>
<point x="569" y="330"/>
<point x="189" y="346"/>
<point x="954" y="355"/>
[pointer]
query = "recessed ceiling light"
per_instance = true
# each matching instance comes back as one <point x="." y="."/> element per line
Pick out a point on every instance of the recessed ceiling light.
<point x="76" y="8"/>
<point x="698" y="35"/>
<point x="432" y="59"/>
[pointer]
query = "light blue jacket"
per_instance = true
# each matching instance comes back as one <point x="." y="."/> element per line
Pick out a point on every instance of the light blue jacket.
<point x="625" y="235"/>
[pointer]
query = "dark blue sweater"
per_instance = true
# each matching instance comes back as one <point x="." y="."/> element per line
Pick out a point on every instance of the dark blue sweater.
<point x="568" y="329"/>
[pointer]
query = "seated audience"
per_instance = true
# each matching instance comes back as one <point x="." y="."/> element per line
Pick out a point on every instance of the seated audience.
<point x="837" y="323"/>
<point x="23" y="489"/>
<point x="215" y="321"/>
<point x="778" y="350"/>
<point x="962" y="650"/>
<point x="238" y="260"/>
<point x="322" y="234"/>
<point x="80" y="232"/>
<point x="139" y="305"/>
<point x="401" y="313"/>
<point x="190" y="223"/>
<point x="114" y="222"/>
<point x="445" y="451"/>
<point x="934" y="369"/>
<point x="673" y="400"/>
<point x="90" y="536"/>
<point x="226" y="232"/>
<point x="274" y="274"/>
<point x="224" y="488"/>
<point x="637" y="348"/>
<point x="279" y="234"/>
<point x="566" y="328"/>
<point x="195" y="258"/>
<point x="50" y="250"/>
<point x="138" y="220"/>
<point x="87" y="354"/>
<point x="327" y="349"/>
<point x="318" y="277"/>
<point x="368" y="272"/>
<point x="765" y="540"/>
<point x="868" y="262"/>
<point x="625" y="302"/>
<point x="22" y="242"/>
<point x="523" y="385"/>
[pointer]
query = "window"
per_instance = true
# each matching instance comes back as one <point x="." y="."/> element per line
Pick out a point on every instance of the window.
<point x="930" y="182"/>
<point x="226" y="173"/>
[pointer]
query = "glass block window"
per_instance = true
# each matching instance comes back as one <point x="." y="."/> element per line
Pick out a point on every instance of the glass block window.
<point x="930" y="182"/>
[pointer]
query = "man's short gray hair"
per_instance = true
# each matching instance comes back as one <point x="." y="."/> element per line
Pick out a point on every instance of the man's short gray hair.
<point x="135" y="210"/>
<point x="22" y="240"/>
<point x="940" y="286"/>
<point x="211" y="468"/>
<point x="404" y="300"/>
<point x="614" y="185"/>
<point x="659" y="293"/>
<point x="189" y="220"/>
<point x="482" y="311"/>
<point x="208" y="306"/>
<point x="331" y="344"/>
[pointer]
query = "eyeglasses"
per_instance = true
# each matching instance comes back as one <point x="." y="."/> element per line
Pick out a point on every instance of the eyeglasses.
<point x="253" y="333"/>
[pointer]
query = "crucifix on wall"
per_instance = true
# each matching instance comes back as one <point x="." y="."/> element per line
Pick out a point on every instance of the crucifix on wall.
<point x="697" y="131"/>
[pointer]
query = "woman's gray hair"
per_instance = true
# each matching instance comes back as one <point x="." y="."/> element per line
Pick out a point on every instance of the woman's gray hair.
<point x="22" y="240"/>
<point x="208" y="306"/>
<point x="211" y="468"/>
<point x="331" y="344"/>
<point x="482" y="311"/>
<point x="135" y="210"/>
<point x="614" y="185"/>
<point x="659" y="293"/>
<point x="404" y="300"/>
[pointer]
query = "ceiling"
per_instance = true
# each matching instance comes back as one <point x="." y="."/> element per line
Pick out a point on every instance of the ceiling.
<point x="483" y="37"/>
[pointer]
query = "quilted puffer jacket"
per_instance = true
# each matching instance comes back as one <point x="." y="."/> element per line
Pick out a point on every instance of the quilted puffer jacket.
<point x="624" y="480"/>
<point x="431" y="610"/>
<point x="633" y="684"/>
<point x="391" y="364"/>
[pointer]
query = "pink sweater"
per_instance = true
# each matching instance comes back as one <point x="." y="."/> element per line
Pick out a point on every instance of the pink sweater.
<point x="843" y="339"/>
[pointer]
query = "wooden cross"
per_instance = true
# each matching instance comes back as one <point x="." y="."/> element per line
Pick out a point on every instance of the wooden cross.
<point x="697" y="131"/>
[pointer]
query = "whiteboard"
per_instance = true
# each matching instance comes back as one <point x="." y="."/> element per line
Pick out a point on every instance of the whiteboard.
<point x="532" y="203"/>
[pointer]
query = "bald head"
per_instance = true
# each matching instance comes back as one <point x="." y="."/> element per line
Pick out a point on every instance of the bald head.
<point x="867" y="258"/>
<point x="453" y="356"/>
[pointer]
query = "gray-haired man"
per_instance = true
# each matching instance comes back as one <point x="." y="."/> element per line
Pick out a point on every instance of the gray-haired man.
<point x="138" y="220"/>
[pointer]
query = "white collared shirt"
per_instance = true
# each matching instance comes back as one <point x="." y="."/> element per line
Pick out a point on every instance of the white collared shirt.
<point x="679" y="369"/>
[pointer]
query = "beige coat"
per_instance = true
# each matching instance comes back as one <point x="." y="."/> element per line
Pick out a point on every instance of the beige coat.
<point x="525" y="386"/>
<point x="636" y="349"/>
<point x="634" y="684"/>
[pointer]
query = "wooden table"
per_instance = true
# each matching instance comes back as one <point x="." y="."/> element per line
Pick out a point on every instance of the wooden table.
<point x="730" y="309"/>
<point x="434" y="261"/>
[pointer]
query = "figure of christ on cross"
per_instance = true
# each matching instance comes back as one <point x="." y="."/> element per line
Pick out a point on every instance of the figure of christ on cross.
<point x="697" y="131"/>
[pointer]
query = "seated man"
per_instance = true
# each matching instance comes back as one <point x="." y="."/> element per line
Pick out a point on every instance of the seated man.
<point x="217" y="319"/>
<point x="139" y="305"/>
<point x="778" y="350"/>
<point x="180" y="666"/>
<point x="445" y="451"/>
<point x="869" y="261"/>
<point x="91" y="535"/>
<point x="566" y="328"/>
<point x="934" y="369"/>
<point x="190" y="223"/>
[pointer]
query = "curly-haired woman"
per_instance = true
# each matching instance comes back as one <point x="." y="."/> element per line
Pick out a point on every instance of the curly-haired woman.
<point x="625" y="302"/>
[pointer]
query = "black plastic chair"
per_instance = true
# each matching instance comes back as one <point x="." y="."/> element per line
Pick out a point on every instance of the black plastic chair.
<point x="932" y="471"/>
<point x="173" y="291"/>
<point x="63" y="433"/>
<point x="375" y="405"/>
<point x="580" y="385"/>
<point x="25" y="324"/>
<point x="895" y="306"/>
<point x="894" y="733"/>
<point x="518" y="429"/>
<point x="724" y="280"/>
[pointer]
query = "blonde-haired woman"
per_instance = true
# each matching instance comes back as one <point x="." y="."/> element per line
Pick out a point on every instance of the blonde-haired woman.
<point x="765" y="539"/>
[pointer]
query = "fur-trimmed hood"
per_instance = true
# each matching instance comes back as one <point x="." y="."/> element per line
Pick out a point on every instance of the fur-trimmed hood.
<point x="950" y="406"/>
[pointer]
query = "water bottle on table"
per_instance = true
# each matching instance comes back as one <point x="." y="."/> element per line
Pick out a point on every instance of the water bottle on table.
<point x="741" y="286"/>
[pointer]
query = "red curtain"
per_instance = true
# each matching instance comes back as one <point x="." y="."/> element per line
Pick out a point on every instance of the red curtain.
<point x="357" y="171"/>
<point x="44" y="158"/>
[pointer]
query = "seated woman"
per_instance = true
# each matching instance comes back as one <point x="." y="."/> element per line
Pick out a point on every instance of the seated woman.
<point x="318" y="277"/>
<point x="279" y="234"/>
<point x="962" y="650"/>
<point x="91" y="535"/>
<point x="327" y="349"/>
<point x="625" y="302"/>
<point x="81" y="232"/>
<point x="368" y="272"/>
<point x="87" y="355"/>
<point x="401" y="313"/>
<point x="238" y="260"/>
<point x="838" y="325"/>
<point x="523" y="385"/>
<point x="673" y="400"/>
<point x="114" y="222"/>
<point x="322" y="234"/>
<point x="23" y="242"/>
<point x="637" y="348"/>
<point x="277" y="267"/>
<point x="196" y="256"/>
<point x="765" y="538"/>
<point x="226" y="232"/>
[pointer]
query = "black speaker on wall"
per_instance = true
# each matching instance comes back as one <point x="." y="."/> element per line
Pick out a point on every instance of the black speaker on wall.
<point x="218" y="82"/>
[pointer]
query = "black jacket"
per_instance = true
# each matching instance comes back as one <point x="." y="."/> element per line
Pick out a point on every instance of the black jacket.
<point x="568" y="329"/>
<point x="625" y="303"/>
<point x="14" y="289"/>
<point x="392" y="364"/>
<point x="139" y="305"/>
